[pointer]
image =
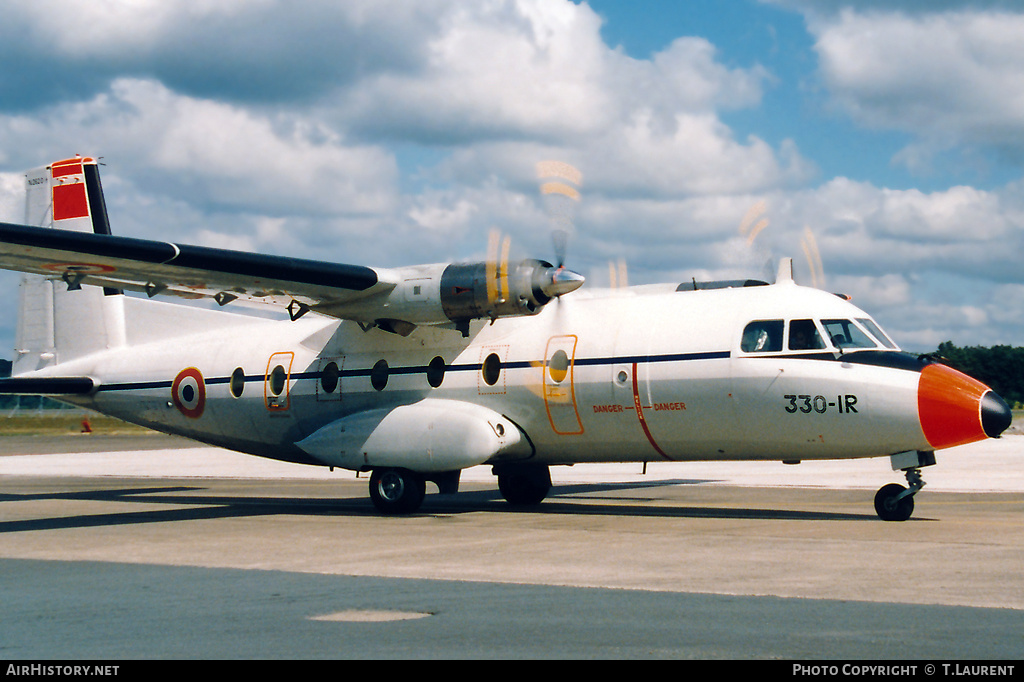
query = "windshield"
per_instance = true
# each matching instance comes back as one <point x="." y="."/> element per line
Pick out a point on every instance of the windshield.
<point x="845" y="334"/>
<point x="877" y="332"/>
<point x="808" y="335"/>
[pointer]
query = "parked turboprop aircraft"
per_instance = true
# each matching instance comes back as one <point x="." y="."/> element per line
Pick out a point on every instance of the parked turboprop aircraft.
<point x="416" y="373"/>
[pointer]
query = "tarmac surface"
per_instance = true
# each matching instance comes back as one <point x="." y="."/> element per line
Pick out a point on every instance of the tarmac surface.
<point x="144" y="547"/>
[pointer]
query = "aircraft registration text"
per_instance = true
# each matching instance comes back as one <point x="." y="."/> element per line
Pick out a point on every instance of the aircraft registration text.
<point x="807" y="404"/>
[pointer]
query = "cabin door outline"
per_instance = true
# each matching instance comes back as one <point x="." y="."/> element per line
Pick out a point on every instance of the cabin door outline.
<point x="559" y="385"/>
<point x="277" y="381"/>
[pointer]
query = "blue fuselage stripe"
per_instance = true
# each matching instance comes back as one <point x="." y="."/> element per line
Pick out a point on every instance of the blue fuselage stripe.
<point x="416" y="369"/>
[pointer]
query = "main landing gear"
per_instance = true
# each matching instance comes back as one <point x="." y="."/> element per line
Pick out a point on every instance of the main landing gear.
<point x="400" y="491"/>
<point x="523" y="485"/>
<point x="893" y="502"/>
<point x="397" y="491"/>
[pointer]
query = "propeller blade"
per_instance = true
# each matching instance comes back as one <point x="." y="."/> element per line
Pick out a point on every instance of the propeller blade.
<point x="813" y="255"/>
<point x="561" y="192"/>
<point x="506" y="244"/>
<point x="491" y="266"/>
<point x="560" y="240"/>
<point x="617" y="274"/>
<point x="496" y="266"/>
<point x="753" y="222"/>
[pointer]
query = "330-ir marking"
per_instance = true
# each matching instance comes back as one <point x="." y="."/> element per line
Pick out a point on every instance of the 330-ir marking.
<point x="807" y="404"/>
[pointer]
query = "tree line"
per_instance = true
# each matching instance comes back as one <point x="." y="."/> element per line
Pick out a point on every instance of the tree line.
<point x="1000" y="367"/>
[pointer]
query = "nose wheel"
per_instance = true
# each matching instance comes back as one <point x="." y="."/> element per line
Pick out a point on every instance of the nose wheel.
<point x="893" y="502"/>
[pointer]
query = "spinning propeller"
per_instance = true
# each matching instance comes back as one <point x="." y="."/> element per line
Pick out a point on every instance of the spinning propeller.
<point x="503" y="286"/>
<point x="560" y="183"/>
<point x="810" y="246"/>
<point x="754" y="222"/>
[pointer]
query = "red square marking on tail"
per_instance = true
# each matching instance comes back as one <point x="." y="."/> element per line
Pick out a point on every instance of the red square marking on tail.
<point x="69" y="201"/>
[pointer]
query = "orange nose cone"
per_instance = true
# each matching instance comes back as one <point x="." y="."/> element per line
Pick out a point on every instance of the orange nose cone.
<point x="955" y="409"/>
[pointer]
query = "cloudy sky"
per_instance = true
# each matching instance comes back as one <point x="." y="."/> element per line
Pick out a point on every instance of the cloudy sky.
<point x="389" y="132"/>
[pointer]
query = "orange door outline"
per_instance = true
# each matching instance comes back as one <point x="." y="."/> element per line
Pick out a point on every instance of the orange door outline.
<point x="559" y="368"/>
<point x="280" y="401"/>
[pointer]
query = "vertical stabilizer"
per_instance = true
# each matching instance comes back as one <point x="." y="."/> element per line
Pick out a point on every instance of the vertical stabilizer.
<point x="58" y="318"/>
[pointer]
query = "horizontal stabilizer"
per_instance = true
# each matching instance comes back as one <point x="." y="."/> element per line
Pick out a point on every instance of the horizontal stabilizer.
<point x="47" y="386"/>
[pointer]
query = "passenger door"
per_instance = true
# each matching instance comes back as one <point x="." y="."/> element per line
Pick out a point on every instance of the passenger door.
<point x="559" y="386"/>
<point x="277" y="381"/>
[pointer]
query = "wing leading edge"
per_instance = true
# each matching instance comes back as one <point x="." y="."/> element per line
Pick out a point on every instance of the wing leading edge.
<point x="47" y="386"/>
<point x="79" y="249"/>
<point x="156" y="267"/>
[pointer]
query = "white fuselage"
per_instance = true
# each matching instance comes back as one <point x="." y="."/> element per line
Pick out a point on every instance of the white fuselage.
<point x="623" y="375"/>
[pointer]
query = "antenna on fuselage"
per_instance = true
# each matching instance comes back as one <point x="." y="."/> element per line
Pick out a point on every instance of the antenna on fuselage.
<point x="785" y="271"/>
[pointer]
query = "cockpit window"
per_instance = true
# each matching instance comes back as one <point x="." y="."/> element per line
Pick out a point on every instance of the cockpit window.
<point x="877" y="332"/>
<point x="845" y="334"/>
<point x="762" y="336"/>
<point x="803" y="335"/>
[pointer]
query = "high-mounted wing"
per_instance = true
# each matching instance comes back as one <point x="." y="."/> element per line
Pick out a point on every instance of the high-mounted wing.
<point x="69" y="238"/>
<point x="47" y="386"/>
<point x="79" y="249"/>
<point x="156" y="267"/>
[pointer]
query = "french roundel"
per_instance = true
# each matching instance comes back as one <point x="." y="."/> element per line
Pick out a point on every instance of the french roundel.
<point x="189" y="392"/>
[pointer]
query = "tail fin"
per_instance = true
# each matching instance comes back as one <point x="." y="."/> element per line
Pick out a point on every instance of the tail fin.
<point x="62" y="320"/>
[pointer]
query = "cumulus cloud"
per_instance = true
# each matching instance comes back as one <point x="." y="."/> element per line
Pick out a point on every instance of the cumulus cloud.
<point x="12" y="197"/>
<point x="282" y="127"/>
<point x="948" y="74"/>
<point x="255" y="51"/>
<point x="209" y="153"/>
<point x="533" y="71"/>
<point x="863" y="228"/>
<point x="525" y="72"/>
<point x="926" y="264"/>
<point x="497" y="68"/>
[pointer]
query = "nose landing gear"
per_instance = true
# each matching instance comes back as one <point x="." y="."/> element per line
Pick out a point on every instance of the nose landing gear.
<point x="893" y="502"/>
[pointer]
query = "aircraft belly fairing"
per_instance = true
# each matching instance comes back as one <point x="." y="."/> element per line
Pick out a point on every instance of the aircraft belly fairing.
<point x="432" y="435"/>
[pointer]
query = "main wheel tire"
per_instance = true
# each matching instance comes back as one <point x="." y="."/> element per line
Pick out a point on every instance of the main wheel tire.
<point x="396" y="491"/>
<point x="524" y="485"/>
<point x="889" y="508"/>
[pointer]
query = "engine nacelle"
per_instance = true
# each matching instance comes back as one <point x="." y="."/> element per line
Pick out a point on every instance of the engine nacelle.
<point x="479" y="290"/>
<point x="455" y="293"/>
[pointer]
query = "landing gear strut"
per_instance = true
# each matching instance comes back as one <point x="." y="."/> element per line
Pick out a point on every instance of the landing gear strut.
<point x="893" y="502"/>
